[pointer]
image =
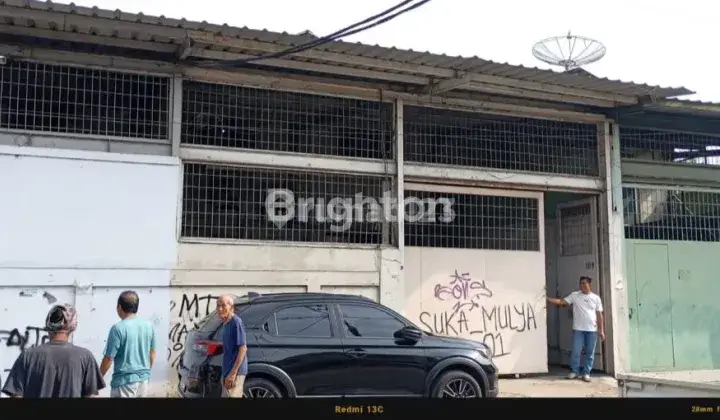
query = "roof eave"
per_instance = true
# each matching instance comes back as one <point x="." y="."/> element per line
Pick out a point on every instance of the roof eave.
<point x="200" y="38"/>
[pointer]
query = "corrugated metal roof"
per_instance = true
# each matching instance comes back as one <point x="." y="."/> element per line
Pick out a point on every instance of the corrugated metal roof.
<point x="692" y="102"/>
<point x="66" y="17"/>
<point x="686" y="106"/>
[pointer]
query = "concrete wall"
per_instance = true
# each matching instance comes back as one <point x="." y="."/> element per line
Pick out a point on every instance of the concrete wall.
<point x="80" y="227"/>
<point x="205" y="271"/>
<point x="493" y="296"/>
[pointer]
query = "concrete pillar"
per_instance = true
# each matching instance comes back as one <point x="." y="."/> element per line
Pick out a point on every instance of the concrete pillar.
<point x="613" y="236"/>
<point x="392" y="284"/>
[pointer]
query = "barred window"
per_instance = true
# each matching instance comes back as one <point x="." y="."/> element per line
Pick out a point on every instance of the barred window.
<point x="668" y="146"/>
<point x="671" y="215"/>
<point x="460" y="138"/>
<point x="78" y="100"/>
<point x="446" y="220"/>
<point x="226" y="202"/>
<point x="576" y="236"/>
<point x="249" y="118"/>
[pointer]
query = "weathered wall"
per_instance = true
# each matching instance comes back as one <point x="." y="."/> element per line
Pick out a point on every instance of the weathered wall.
<point x="80" y="227"/>
<point x="493" y="296"/>
<point x="205" y="271"/>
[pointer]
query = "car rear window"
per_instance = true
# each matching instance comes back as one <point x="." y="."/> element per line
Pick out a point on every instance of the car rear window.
<point x="212" y="321"/>
<point x="205" y="324"/>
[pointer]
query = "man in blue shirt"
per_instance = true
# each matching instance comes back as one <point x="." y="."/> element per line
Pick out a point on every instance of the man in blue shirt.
<point x="234" y="363"/>
<point x="131" y="347"/>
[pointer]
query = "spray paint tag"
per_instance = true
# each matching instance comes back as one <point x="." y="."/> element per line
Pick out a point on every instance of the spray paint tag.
<point x="28" y="292"/>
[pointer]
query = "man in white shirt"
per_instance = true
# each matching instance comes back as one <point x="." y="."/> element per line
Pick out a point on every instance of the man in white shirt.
<point x="588" y="323"/>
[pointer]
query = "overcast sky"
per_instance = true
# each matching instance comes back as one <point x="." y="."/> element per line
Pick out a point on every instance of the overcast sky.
<point x="657" y="42"/>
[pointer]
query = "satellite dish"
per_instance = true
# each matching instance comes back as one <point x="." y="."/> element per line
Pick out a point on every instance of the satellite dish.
<point x="569" y="51"/>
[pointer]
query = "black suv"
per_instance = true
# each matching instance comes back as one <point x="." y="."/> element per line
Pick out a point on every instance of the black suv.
<point x="322" y="344"/>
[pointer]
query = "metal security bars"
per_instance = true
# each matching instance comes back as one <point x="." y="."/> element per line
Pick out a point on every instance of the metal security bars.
<point x="446" y="220"/>
<point x="222" y="202"/>
<point x="242" y="117"/>
<point x="668" y="146"/>
<point x="77" y="100"/>
<point x="576" y="231"/>
<point x="672" y="215"/>
<point x="507" y="143"/>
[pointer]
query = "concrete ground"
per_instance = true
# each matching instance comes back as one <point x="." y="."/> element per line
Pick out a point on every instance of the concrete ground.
<point x="554" y="384"/>
<point x="548" y="385"/>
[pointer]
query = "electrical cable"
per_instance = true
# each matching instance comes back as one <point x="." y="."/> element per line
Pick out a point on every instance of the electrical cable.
<point x="342" y="32"/>
<point x="347" y="31"/>
<point x="316" y="42"/>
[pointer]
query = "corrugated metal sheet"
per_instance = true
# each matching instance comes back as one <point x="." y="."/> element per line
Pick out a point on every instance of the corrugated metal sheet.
<point x="687" y="107"/>
<point x="693" y="102"/>
<point x="72" y="18"/>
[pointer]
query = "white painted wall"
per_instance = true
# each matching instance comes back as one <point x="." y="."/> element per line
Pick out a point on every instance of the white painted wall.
<point x="205" y="271"/>
<point x="493" y="296"/>
<point x="81" y="227"/>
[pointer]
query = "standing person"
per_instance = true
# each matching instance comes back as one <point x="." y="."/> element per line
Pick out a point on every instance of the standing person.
<point x="131" y="347"/>
<point x="588" y="322"/>
<point x="56" y="369"/>
<point x="234" y="363"/>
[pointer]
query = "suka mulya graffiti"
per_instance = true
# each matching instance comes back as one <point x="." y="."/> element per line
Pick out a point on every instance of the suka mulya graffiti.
<point x="471" y="312"/>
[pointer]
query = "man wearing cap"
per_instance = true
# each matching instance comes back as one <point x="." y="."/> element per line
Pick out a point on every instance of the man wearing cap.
<point x="56" y="369"/>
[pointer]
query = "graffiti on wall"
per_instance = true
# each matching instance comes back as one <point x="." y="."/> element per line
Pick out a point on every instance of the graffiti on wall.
<point x="189" y="306"/>
<point x="20" y="339"/>
<point x="185" y="313"/>
<point x="465" y="308"/>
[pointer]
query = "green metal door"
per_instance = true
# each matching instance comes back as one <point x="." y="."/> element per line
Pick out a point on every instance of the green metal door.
<point x="651" y="316"/>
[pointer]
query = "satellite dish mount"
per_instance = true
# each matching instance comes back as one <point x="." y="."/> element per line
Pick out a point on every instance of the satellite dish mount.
<point x="569" y="51"/>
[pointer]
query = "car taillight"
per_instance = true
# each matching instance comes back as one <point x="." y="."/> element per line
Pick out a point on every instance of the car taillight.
<point x="209" y="348"/>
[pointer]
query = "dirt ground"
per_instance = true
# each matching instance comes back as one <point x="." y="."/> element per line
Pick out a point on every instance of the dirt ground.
<point x="554" y="384"/>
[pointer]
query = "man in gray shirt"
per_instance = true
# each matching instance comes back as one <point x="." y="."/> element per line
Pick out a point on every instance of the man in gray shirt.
<point x="56" y="369"/>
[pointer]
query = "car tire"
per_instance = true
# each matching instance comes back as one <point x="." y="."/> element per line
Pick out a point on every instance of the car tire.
<point x="456" y="384"/>
<point x="261" y="388"/>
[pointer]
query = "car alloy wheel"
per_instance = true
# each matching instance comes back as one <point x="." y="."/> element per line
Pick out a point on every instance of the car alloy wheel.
<point x="459" y="388"/>
<point x="258" y="392"/>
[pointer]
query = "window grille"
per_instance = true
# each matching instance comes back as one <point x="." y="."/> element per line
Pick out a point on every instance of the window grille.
<point x="576" y="236"/>
<point x="241" y="117"/>
<point x="77" y="100"/>
<point x="475" y="221"/>
<point x="671" y="215"/>
<point x="668" y="146"/>
<point x="460" y="138"/>
<point x="222" y="202"/>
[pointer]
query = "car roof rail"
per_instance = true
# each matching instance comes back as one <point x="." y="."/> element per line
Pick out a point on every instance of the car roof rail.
<point x="246" y="298"/>
<point x="251" y="296"/>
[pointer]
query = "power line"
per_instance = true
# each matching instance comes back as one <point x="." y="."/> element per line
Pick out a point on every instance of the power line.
<point x="342" y="32"/>
<point x="353" y="29"/>
<point x="350" y="30"/>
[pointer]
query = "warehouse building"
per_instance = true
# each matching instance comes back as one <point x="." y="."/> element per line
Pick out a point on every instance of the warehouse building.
<point x="671" y="199"/>
<point x="144" y="167"/>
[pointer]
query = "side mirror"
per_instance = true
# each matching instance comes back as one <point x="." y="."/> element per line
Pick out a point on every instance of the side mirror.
<point x="408" y="333"/>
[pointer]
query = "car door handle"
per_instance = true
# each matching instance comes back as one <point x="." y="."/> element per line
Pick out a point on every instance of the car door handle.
<point x="357" y="353"/>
